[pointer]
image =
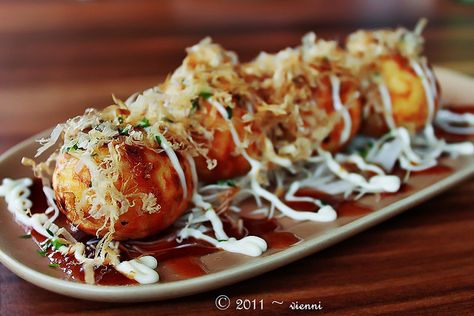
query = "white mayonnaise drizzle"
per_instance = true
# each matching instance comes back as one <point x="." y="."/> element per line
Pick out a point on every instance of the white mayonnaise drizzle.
<point x="249" y="245"/>
<point x="140" y="269"/>
<point x="401" y="148"/>
<point x="17" y="192"/>
<point x="387" y="105"/>
<point x="455" y="123"/>
<point x="375" y="184"/>
<point x="339" y="107"/>
<point x="175" y="162"/>
<point x="16" y="195"/>
<point x="431" y="79"/>
<point x="429" y="93"/>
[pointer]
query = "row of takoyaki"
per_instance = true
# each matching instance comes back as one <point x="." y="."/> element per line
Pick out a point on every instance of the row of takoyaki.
<point x="126" y="170"/>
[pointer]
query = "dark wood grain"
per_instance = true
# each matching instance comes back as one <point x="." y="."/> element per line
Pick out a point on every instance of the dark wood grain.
<point x="59" y="57"/>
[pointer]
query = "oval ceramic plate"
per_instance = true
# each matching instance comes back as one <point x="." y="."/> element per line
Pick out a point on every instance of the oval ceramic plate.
<point x="227" y="268"/>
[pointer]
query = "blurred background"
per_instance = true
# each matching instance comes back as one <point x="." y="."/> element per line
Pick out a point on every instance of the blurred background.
<point x="59" y="57"/>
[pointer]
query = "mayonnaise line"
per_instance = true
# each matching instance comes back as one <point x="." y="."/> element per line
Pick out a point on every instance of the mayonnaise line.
<point x="377" y="183"/>
<point x="140" y="269"/>
<point x="175" y="162"/>
<point x="387" y="105"/>
<point x="250" y="245"/>
<point x="339" y="107"/>
<point x="455" y="123"/>
<point x="429" y="94"/>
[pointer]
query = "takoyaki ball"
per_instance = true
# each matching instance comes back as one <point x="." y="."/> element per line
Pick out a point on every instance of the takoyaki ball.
<point x="222" y="148"/>
<point x="147" y="179"/>
<point x="350" y="99"/>
<point x="409" y="103"/>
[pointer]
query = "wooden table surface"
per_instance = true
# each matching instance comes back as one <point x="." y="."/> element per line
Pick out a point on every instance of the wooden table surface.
<point x="59" y="57"/>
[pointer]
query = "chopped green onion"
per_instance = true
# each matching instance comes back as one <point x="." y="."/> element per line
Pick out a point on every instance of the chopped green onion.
<point x="26" y="236"/>
<point x="158" y="139"/>
<point x="221" y="240"/>
<point x="53" y="265"/>
<point x="73" y="148"/>
<point x="123" y="131"/>
<point x="42" y="253"/>
<point x="167" y="120"/>
<point x="120" y="119"/>
<point x="143" y="123"/>
<point x="56" y="244"/>
<point x="195" y="104"/>
<point x="205" y="95"/>
<point x="365" y="151"/>
<point x="49" y="232"/>
<point x="229" y="112"/>
<point x="230" y="182"/>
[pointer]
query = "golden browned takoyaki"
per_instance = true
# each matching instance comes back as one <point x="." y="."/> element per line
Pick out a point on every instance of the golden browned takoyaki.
<point x="209" y="78"/>
<point x="140" y="190"/>
<point x="400" y="88"/>
<point x="350" y="98"/>
<point x="229" y="161"/>
<point x="316" y="89"/>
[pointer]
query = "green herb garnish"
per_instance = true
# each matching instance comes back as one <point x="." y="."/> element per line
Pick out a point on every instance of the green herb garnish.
<point x="195" y="104"/>
<point x="229" y="112"/>
<point x="53" y="265"/>
<point x="73" y="148"/>
<point x="120" y="119"/>
<point x="365" y="151"/>
<point x="42" y="253"/>
<point x="56" y="244"/>
<point x="49" y="232"/>
<point x="143" y="123"/>
<point x="123" y="131"/>
<point x="158" y="139"/>
<point x="205" y="95"/>
<point x="26" y="236"/>
<point x="230" y="182"/>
